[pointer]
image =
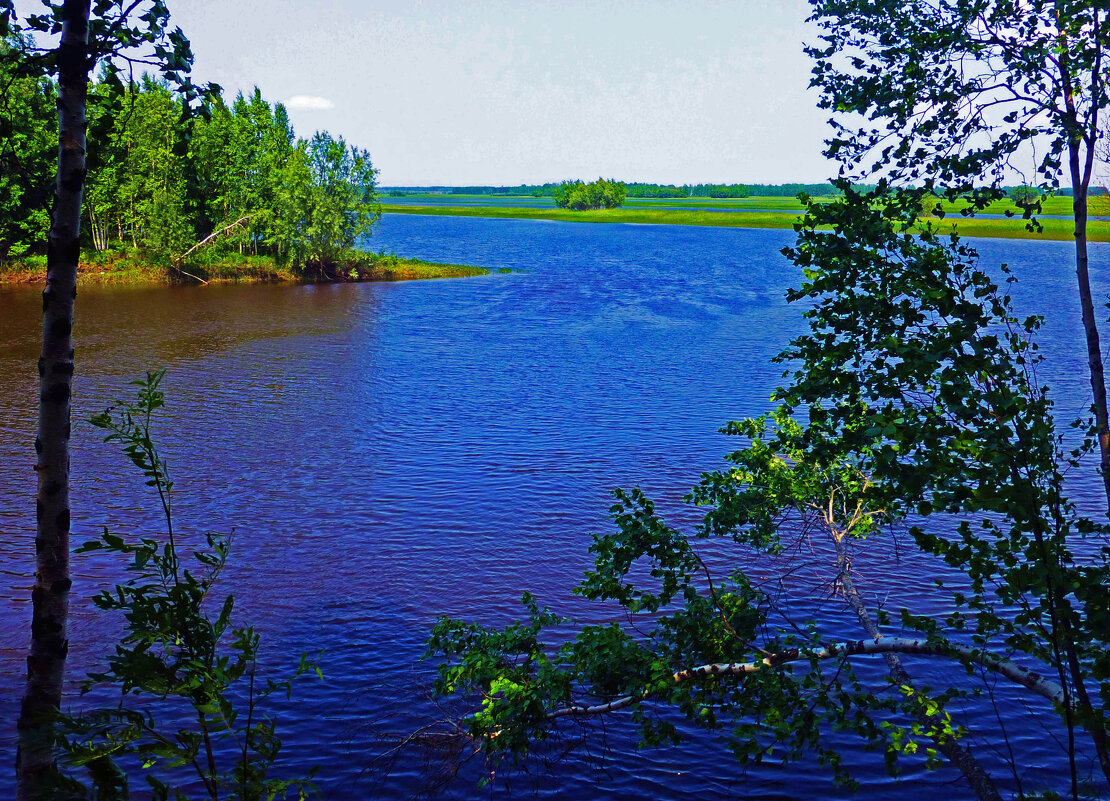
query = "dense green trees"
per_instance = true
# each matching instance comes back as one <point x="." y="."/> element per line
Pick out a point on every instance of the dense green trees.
<point x="599" y="194"/>
<point x="959" y="95"/>
<point x="136" y="182"/>
<point x="162" y="177"/>
<point x="663" y="191"/>
<point x="240" y="155"/>
<point x="327" y="201"/>
<point x="656" y="191"/>
<point x="28" y="149"/>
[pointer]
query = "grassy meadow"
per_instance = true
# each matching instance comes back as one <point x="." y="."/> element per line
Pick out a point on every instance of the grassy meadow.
<point x="768" y="212"/>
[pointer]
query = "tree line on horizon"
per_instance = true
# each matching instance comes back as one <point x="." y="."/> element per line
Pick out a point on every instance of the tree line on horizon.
<point x="633" y="189"/>
<point x="162" y="178"/>
<point x="677" y="192"/>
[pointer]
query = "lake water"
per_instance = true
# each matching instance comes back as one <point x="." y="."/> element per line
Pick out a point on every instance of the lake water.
<point x="387" y="453"/>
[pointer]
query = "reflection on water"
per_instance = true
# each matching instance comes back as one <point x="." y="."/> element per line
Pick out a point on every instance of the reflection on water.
<point x="389" y="453"/>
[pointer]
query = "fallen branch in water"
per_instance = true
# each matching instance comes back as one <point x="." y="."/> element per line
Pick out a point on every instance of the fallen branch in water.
<point x="195" y="277"/>
<point x="886" y="645"/>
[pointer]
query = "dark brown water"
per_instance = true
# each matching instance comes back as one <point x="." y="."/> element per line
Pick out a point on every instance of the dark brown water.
<point x="389" y="453"/>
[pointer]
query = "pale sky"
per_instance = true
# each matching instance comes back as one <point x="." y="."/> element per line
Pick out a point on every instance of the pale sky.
<point x="467" y="92"/>
<point x="459" y="92"/>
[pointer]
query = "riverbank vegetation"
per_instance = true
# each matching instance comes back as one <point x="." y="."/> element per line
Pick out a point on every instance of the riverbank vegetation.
<point x="129" y="267"/>
<point x="225" y="191"/>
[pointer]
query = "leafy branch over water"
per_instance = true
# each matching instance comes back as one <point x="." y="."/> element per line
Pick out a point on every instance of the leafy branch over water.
<point x="190" y="694"/>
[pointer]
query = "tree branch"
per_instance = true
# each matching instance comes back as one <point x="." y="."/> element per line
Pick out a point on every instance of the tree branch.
<point x="210" y="237"/>
<point x="1029" y="679"/>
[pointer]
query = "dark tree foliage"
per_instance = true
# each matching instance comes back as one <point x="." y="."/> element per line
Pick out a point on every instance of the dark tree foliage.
<point x="656" y="190"/>
<point x="192" y="703"/>
<point x="28" y="150"/>
<point x="957" y="96"/>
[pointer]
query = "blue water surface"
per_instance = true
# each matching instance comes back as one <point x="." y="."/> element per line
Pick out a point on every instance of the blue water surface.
<point x="389" y="453"/>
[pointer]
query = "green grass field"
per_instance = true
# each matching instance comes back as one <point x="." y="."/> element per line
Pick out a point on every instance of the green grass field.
<point x="650" y="214"/>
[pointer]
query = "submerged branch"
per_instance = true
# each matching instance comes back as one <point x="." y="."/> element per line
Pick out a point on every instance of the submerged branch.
<point x="1029" y="679"/>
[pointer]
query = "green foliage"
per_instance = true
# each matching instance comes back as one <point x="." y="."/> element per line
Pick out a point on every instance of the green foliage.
<point x="136" y="182"/>
<point x="327" y="203"/>
<point x="189" y="694"/>
<point x="638" y="190"/>
<point x="163" y="174"/>
<point x="1027" y="198"/>
<point x="898" y="83"/>
<point x="916" y="367"/>
<point x="726" y="191"/>
<point x="239" y="153"/>
<point x="958" y="96"/>
<point x="139" y="193"/>
<point x="28" y="150"/>
<point x="599" y="194"/>
<point x="677" y="620"/>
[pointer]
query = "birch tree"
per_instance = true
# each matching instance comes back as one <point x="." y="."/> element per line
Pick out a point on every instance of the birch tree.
<point x="962" y="95"/>
<point x="83" y="34"/>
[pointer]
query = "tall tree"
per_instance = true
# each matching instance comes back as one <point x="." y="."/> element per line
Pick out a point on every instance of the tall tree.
<point x="85" y="36"/>
<point x="50" y="596"/>
<point x="961" y="94"/>
<point x="328" y="200"/>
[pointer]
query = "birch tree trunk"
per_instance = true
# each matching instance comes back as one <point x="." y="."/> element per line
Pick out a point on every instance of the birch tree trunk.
<point x="1090" y="323"/>
<point x="961" y="758"/>
<point x="35" y="759"/>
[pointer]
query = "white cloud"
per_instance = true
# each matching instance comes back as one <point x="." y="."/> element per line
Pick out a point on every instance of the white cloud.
<point x="308" y="103"/>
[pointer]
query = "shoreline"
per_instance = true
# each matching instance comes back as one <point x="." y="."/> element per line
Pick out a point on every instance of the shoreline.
<point x="1055" y="229"/>
<point x="136" y="273"/>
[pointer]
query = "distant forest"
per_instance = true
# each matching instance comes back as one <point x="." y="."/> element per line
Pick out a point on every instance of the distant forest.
<point x="661" y="191"/>
<point x="633" y="190"/>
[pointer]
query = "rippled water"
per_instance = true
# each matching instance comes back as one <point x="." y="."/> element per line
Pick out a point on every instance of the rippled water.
<point x="388" y="453"/>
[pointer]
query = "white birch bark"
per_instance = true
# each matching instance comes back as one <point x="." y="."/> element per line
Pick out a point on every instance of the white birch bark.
<point x="35" y="760"/>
